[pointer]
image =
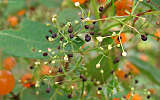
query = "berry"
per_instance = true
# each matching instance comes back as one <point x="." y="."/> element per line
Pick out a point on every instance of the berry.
<point x="48" y="90"/>
<point x="116" y="60"/>
<point x="136" y="81"/>
<point x="101" y="9"/>
<point x="61" y="39"/>
<point x="45" y="54"/>
<point x="71" y="35"/>
<point x="99" y="88"/>
<point x="144" y="37"/>
<point x="50" y="31"/>
<point x="94" y="22"/>
<point x="31" y="67"/>
<point x="122" y="37"/>
<point x="70" y="55"/>
<point x="126" y="76"/>
<point x="69" y="96"/>
<point x="91" y="33"/>
<point x="7" y="82"/>
<point x="60" y="70"/>
<point x="148" y="97"/>
<point x="54" y="35"/>
<point x="70" y="29"/>
<point x="86" y="26"/>
<point x="9" y="63"/>
<point x="27" y="80"/>
<point x="47" y="37"/>
<point x="58" y="47"/>
<point x="87" y="38"/>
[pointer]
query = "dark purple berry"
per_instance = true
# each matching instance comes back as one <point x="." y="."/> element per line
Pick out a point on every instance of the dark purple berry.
<point x="70" y="55"/>
<point x="70" y="29"/>
<point x="112" y="71"/>
<point x="148" y="97"/>
<point x="94" y="22"/>
<point x="50" y="31"/>
<point x="48" y="90"/>
<point x="31" y="67"/>
<point x="99" y="88"/>
<point x="71" y="35"/>
<point x="86" y="26"/>
<point x="144" y="37"/>
<point x="101" y="9"/>
<point x="61" y="39"/>
<point x="54" y="35"/>
<point x="87" y="38"/>
<point x="116" y="60"/>
<point x="69" y="96"/>
<point x="126" y="76"/>
<point x="136" y="81"/>
<point x="58" y="47"/>
<point x="91" y="33"/>
<point x="47" y="37"/>
<point x="32" y="85"/>
<point x="60" y="70"/>
<point x="45" y="54"/>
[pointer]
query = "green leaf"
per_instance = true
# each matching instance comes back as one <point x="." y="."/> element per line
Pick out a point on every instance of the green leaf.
<point x="51" y="3"/>
<point x="68" y="15"/>
<point x="154" y="4"/>
<point x="26" y="41"/>
<point x="106" y="65"/>
<point x="146" y="68"/>
<point x="14" y="6"/>
<point x="30" y="94"/>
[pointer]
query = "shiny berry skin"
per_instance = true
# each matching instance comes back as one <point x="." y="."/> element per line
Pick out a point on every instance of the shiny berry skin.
<point x="99" y="88"/>
<point x="101" y="9"/>
<point x="45" y="54"/>
<point x="70" y="29"/>
<point x="7" y="82"/>
<point x="27" y="80"/>
<point x="70" y="55"/>
<point x="9" y="63"/>
<point x="116" y="60"/>
<point x="122" y="6"/>
<point x="91" y="33"/>
<point x="47" y="37"/>
<point x="144" y="37"/>
<point x="86" y="26"/>
<point x="71" y="35"/>
<point x="87" y="38"/>
<point x="54" y="35"/>
<point x="69" y="96"/>
<point x="61" y="39"/>
<point x="48" y="90"/>
<point x="50" y="31"/>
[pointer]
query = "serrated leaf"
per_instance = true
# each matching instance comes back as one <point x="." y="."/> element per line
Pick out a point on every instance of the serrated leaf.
<point x="146" y="68"/>
<point x="30" y="38"/>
